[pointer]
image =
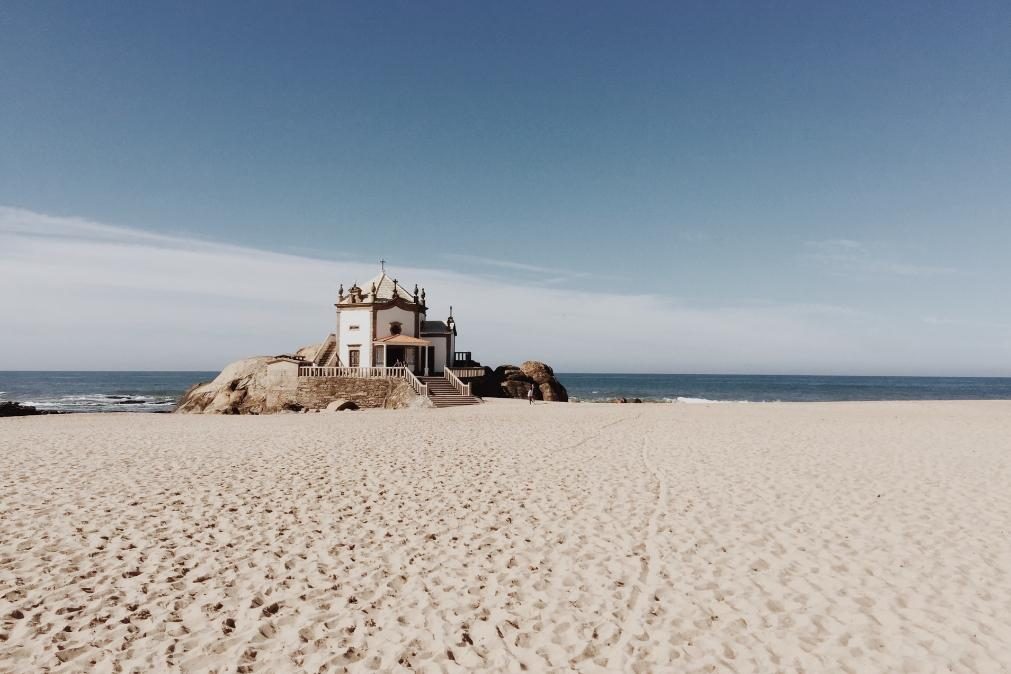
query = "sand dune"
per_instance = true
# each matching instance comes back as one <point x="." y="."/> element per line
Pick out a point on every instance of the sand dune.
<point x="858" y="537"/>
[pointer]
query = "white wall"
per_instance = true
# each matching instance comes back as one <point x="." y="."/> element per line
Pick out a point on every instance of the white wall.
<point x="363" y="335"/>
<point x="386" y="316"/>
<point x="440" y="354"/>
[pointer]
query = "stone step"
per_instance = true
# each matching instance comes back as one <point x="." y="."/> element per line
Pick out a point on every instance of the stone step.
<point x="443" y="394"/>
<point x="455" y="403"/>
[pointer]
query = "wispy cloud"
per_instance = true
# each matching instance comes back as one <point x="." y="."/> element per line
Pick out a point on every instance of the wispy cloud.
<point x="854" y="258"/>
<point x="531" y="272"/>
<point x="84" y="295"/>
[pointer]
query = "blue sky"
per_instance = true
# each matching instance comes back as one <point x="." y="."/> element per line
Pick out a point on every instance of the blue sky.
<point x="850" y="159"/>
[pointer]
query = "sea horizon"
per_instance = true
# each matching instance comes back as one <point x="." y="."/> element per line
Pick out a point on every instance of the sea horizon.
<point x="159" y="390"/>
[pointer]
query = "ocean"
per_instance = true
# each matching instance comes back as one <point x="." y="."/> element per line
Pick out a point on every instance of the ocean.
<point x="159" y="391"/>
<point x="780" y="388"/>
<point x="99" y="391"/>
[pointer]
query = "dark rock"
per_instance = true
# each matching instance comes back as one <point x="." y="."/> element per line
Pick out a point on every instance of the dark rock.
<point x="637" y="400"/>
<point x="16" y="409"/>
<point x="513" y="389"/>
<point x="509" y="381"/>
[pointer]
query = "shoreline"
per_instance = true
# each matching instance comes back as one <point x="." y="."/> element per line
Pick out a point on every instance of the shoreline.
<point x="694" y="402"/>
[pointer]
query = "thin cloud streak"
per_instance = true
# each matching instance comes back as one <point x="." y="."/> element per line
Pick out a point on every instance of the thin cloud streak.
<point x="846" y="257"/>
<point x="90" y="296"/>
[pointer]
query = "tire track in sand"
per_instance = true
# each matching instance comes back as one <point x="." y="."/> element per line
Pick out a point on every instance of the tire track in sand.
<point x="634" y="623"/>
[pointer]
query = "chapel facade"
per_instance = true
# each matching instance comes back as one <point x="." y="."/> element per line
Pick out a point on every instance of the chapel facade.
<point x="383" y="324"/>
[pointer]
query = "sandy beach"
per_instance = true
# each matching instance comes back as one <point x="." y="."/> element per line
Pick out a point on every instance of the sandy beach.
<point x="830" y="537"/>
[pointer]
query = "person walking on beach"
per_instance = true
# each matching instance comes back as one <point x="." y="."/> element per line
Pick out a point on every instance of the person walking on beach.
<point x="530" y="395"/>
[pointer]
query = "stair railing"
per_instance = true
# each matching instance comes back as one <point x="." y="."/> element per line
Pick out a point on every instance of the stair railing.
<point x="331" y="338"/>
<point x="461" y="388"/>
<point x="419" y="388"/>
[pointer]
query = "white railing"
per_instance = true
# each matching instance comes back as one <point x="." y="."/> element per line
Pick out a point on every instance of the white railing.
<point x="366" y="373"/>
<point x="360" y="372"/>
<point x="419" y="388"/>
<point x="461" y="388"/>
<point x="466" y="371"/>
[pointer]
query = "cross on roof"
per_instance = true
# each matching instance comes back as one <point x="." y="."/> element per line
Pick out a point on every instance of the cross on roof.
<point x="382" y="265"/>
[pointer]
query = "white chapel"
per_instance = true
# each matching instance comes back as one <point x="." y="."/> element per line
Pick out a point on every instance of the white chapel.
<point x="383" y="324"/>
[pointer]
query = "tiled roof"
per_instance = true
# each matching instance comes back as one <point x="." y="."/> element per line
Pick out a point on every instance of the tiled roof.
<point x="402" y="340"/>
<point x="384" y="289"/>
<point x="434" y="326"/>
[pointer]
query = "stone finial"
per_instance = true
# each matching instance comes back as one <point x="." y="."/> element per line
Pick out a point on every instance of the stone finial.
<point x="340" y="291"/>
<point x="415" y="293"/>
<point x="373" y="289"/>
<point x="422" y="295"/>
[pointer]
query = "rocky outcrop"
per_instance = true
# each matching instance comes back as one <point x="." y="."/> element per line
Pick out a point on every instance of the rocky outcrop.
<point x="544" y="377"/>
<point x="510" y="381"/>
<point x="240" y="388"/>
<point x="267" y="385"/>
<point x="15" y="409"/>
<point x="307" y="352"/>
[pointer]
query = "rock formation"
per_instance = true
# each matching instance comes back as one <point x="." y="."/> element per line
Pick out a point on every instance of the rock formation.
<point x="510" y="381"/>
<point x="240" y="388"/>
<point x="267" y="385"/>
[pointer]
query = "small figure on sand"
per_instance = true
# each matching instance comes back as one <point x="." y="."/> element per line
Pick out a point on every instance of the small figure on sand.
<point x="530" y="395"/>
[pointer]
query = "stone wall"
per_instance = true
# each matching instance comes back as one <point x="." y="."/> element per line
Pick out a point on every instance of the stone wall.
<point x="316" y="392"/>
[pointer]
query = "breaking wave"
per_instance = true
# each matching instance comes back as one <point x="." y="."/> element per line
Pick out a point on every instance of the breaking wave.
<point x="704" y="401"/>
<point x="102" y="402"/>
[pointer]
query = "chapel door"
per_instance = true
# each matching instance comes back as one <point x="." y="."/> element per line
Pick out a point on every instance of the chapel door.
<point x="395" y="356"/>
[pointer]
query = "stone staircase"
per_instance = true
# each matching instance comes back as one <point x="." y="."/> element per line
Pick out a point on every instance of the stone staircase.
<point x="443" y="394"/>
<point x="323" y="358"/>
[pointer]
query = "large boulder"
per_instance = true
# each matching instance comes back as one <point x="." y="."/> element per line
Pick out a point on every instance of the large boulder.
<point x="511" y="381"/>
<point x="307" y="352"/>
<point x="544" y="377"/>
<point x="538" y="372"/>
<point x="241" y="388"/>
